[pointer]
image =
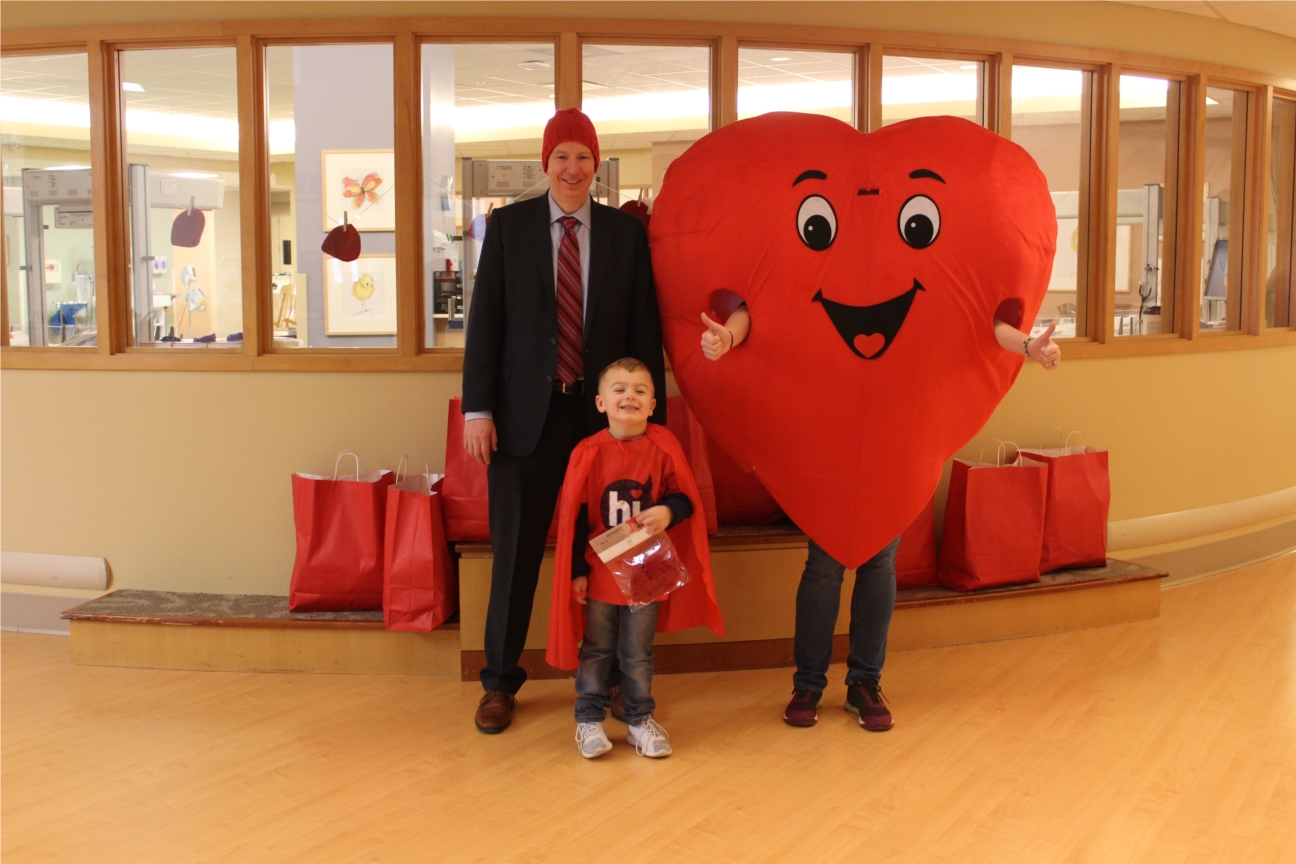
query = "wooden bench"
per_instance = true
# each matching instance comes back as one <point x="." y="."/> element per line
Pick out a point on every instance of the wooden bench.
<point x="756" y="572"/>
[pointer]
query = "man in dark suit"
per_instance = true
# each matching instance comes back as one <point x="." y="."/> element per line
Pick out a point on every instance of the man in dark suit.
<point x="564" y="287"/>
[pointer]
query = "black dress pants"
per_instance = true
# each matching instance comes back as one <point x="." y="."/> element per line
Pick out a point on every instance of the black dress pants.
<point x="523" y="494"/>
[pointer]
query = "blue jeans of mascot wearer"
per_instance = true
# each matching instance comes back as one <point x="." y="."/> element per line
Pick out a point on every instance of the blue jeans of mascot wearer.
<point x="817" y="601"/>
<point x="613" y="632"/>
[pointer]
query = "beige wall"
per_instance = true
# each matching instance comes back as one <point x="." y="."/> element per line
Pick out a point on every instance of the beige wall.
<point x="181" y="480"/>
<point x="1106" y="25"/>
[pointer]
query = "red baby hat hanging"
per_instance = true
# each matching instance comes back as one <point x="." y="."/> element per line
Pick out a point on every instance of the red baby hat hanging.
<point x="187" y="229"/>
<point x="343" y="242"/>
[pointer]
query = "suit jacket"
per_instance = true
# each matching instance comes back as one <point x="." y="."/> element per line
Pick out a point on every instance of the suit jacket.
<point x="511" y="357"/>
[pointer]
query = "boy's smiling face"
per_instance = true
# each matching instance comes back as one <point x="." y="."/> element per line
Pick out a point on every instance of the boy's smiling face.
<point x="627" y="400"/>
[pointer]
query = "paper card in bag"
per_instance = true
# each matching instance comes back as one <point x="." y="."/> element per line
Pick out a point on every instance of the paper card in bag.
<point x="646" y="568"/>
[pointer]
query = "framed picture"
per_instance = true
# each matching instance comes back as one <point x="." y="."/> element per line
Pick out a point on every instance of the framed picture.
<point x="361" y="184"/>
<point x="360" y="296"/>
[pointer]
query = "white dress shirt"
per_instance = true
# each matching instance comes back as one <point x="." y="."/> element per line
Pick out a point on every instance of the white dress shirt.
<point x="556" y="214"/>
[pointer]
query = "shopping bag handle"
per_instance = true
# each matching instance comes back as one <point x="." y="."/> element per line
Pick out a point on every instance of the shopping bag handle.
<point x="404" y="464"/>
<point x="981" y="455"/>
<point x="1066" y="445"/>
<point x="1044" y="437"/>
<point x="338" y="461"/>
<point x="1001" y="452"/>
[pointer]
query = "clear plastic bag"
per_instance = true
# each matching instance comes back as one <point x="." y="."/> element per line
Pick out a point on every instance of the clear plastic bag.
<point x="646" y="571"/>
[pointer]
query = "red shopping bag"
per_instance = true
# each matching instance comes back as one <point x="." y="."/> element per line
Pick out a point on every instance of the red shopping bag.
<point x="1076" y="506"/>
<point x="465" y="493"/>
<point x="994" y="524"/>
<point x="688" y="431"/>
<point x="420" y="590"/>
<point x="916" y="557"/>
<point x="339" y="562"/>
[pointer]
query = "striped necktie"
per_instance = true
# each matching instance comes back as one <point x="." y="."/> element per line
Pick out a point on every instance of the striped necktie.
<point x="570" y="304"/>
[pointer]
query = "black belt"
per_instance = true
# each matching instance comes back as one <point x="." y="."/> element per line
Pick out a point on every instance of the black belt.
<point x="574" y="389"/>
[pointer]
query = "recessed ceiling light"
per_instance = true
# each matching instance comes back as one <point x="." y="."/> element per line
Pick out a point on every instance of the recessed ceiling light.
<point x="68" y="168"/>
<point x="533" y="65"/>
<point x="132" y="87"/>
<point x="779" y="59"/>
<point x="193" y="175"/>
<point x="968" y="66"/>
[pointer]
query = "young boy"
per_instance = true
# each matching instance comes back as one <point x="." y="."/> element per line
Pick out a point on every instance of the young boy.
<point x="631" y="470"/>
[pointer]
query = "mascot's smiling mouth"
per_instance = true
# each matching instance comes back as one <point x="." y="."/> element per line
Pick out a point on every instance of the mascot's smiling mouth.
<point x="869" y="330"/>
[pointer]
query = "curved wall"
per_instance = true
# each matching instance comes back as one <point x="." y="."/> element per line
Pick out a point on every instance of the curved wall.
<point x="181" y="481"/>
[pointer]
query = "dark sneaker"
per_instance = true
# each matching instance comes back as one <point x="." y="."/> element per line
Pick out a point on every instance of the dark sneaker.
<point x="803" y="710"/>
<point x="865" y="699"/>
<point x="616" y="703"/>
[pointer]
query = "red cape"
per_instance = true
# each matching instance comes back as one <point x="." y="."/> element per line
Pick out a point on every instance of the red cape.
<point x="693" y="605"/>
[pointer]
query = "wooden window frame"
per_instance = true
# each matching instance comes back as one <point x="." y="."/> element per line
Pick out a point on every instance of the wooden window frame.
<point x="1094" y="170"/>
<point x="406" y="35"/>
<point x="994" y="94"/>
<point x="1265" y="157"/>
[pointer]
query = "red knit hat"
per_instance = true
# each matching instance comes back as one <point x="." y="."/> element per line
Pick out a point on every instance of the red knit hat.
<point x="569" y="124"/>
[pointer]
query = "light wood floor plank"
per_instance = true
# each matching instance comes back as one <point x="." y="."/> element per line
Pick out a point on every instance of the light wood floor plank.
<point x="1169" y="740"/>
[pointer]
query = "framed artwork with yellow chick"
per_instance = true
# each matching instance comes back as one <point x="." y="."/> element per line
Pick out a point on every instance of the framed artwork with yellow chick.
<point x="360" y="296"/>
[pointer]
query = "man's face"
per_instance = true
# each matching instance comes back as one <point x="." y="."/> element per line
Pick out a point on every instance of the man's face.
<point x="626" y="397"/>
<point x="571" y="172"/>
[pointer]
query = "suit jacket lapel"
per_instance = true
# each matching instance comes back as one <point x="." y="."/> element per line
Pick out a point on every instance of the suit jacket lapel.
<point x="600" y="250"/>
<point x="537" y="224"/>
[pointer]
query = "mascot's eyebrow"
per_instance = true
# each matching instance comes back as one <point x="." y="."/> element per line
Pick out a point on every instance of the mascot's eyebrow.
<point x="923" y="172"/>
<point x="810" y="175"/>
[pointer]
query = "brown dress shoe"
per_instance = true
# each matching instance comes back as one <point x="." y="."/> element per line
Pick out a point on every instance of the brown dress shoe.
<point x="494" y="712"/>
<point x="616" y="703"/>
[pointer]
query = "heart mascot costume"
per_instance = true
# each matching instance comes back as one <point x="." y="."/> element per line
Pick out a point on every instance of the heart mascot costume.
<point x="873" y="267"/>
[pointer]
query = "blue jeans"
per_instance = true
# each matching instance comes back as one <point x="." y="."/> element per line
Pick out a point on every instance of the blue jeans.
<point x="615" y="632"/>
<point x="818" y="598"/>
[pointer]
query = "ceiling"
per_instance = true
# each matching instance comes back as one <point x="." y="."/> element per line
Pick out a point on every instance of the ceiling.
<point x="1278" y="17"/>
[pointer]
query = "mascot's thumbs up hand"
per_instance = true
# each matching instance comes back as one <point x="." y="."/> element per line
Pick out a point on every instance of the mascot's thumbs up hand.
<point x="1044" y="350"/>
<point x="717" y="340"/>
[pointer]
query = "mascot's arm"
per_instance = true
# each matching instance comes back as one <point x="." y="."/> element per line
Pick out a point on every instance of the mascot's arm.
<point x="719" y="339"/>
<point x="1042" y="349"/>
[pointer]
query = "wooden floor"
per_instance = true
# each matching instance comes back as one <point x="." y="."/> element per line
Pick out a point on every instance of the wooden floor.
<point x="1169" y="740"/>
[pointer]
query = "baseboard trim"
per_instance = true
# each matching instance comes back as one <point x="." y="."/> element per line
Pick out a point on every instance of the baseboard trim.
<point x="1228" y="553"/>
<point x="29" y="612"/>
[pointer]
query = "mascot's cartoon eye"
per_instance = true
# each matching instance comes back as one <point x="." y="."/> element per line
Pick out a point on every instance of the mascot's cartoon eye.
<point x="816" y="223"/>
<point x="919" y="221"/>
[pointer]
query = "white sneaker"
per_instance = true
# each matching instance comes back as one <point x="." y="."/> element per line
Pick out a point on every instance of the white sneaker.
<point x="649" y="739"/>
<point x="592" y="740"/>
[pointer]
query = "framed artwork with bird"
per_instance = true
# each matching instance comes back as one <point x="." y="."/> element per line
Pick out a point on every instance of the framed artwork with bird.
<point x="360" y="296"/>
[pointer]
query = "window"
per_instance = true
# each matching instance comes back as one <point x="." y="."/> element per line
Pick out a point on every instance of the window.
<point x="1050" y="118"/>
<point x="48" y="222"/>
<point x="1147" y="184"/>
<point x="812" y="82"/>
<point x="1280" y="232"/>
<point x="928" y="87"/>
<point x="648" y="104"/>
<point x="182" y="196"/>
<point x="1223" y="208"/>
<point x="332" y="166"/>
<point x="485" y="107"/>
